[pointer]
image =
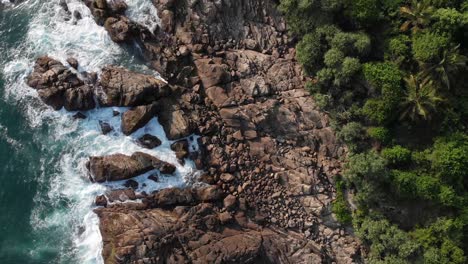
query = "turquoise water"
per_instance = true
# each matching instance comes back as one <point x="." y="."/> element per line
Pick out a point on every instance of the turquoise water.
<point x="46" y="200"/>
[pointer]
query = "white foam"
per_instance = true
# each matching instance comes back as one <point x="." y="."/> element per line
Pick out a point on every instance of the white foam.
<point x="144" y="13"/>
<point x="73" y="141"/>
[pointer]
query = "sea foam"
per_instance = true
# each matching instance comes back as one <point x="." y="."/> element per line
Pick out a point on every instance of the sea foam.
<point x="68" y="203"/>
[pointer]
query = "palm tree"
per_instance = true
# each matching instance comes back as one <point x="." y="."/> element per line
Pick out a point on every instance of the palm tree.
<point x="451" y="62"/>
<point x="421" y="99"/>
<point x="417" y="16"/>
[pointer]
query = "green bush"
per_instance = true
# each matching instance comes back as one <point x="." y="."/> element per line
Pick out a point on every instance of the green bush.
<point x="397" y="155"/>
<point x="310" y="52"/>
<point x="387" y="243"/>
<point x="340" y="206"/>
<point x="428" y="46"/>
<point x="379" y="74"/>
<point x="365" y="12"/>
<point x="363" y="167"/>
<point x="333" y="58"/>
<point x="405" y="183"/>
<point x="399" y="49"/>
<point x="449" y="21"/>
<point x="379" y="133"/>
<point x="379" y="111"/>
<point x="352" y="132"/>
<point x="450" y="159"/>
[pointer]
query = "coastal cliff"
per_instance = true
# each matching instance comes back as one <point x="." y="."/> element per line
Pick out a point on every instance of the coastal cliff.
<point x="266" y="154"/>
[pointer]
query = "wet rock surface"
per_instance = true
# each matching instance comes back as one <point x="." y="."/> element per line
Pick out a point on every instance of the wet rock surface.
<point x="122" y="87"/>
<point x="118" y="167"/>
<point x="58" y="86"/>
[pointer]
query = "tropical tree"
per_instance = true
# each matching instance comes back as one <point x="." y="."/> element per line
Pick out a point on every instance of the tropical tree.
<point x="417" y="16"/>
<point x="450" y="63"/>
<point x="420" y="100"/>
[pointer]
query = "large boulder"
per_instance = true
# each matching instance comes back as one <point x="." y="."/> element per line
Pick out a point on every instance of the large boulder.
<point x="117" y="167"/>
<point x="122" y="87"/>
<point x="59" y="87"/>
<point x="136" y="118"/>
<point x="120" y="29"/>
<point x="174" y="121"/>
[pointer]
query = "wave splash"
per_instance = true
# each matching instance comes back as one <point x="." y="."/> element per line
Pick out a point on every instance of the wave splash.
<point x="63" y="203"/>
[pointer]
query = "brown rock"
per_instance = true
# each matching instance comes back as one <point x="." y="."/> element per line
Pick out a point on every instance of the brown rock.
<point x="137" y="117"/>
<point x="149" y="141"/>
<point x="181" y="149"/>
<point x="126" y="88"/>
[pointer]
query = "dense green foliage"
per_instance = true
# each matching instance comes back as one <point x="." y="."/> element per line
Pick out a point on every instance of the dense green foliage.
<point x="393" y="75"/>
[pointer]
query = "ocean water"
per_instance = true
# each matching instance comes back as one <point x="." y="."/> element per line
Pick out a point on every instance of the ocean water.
<point x="46" y="199"/>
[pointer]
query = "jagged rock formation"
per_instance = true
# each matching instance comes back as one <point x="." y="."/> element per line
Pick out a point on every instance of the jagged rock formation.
<point x="269" y="155"/>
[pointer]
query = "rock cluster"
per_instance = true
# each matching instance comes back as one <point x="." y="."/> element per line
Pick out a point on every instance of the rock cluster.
<point x="58" y="86"/>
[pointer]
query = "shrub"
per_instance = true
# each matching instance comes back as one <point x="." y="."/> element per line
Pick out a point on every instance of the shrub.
<point x="386" y="241"/>
<point x="310" y="52"/>
<point x="450" y="159"/>
<point x="352" y="133"/>
<point x="364" y="167"/>
<point x="428" y="46"/>
<point x="379" y="74"/>
<point x="397" y="155"/>
<point x="333" y="58"/>
<point x="379" y="111"/>
<point x="379" y="133"/>
<point x="399" y="48"/>
<point x="405" y="183"/>
<point x="340" y="206"/>
<point x="365" y="12"/>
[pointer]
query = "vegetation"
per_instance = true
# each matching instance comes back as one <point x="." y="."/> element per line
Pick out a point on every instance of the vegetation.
<point x="393" y="76"/>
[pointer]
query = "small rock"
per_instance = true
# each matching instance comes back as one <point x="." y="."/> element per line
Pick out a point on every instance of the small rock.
<point x="77" y="15"/>
<point x="149" y="141"/>
<point x="153" y="177"/>
<point x="79" y="115"/>
<point x="101" y="201"/>
<point x="105" y="127"/>
<point x="230" y="201"/>
<point x="225" y="217"/>
<point x="227" y="177"/>
<point x="131" y="184"/>
<point x="73" y="62"/>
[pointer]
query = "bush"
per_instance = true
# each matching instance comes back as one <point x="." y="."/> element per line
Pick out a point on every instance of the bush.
<point x="450" y="159"/>
<point x="310" y="52"/>
<point x="364" y="167"/>
<point x="340" y="206"/>
<point x="333" y="58"/>
<point x="379" y="133"/>
<point x="405" y="183"/>
<point x="379" y="111"/>
<point x="397" y="155"/>
<point x="386" y="241"/>
<point x="352" y="133"/>
<point x="365" y="12"/>
<point x="399" y="49"/>
<point x="428" y="47"/>
<point x="379" y="74"/>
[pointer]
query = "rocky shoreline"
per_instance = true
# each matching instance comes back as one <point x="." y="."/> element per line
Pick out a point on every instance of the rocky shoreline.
<point x="268" y="154"/>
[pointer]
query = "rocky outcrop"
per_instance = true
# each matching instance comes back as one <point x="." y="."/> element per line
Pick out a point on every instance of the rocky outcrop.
<point x="121" y="87"/>
<point x="118" y="167"/>
<point x="187" y="226"/>
<point x="58" y="86"/>
<point x="268" y="153"/>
